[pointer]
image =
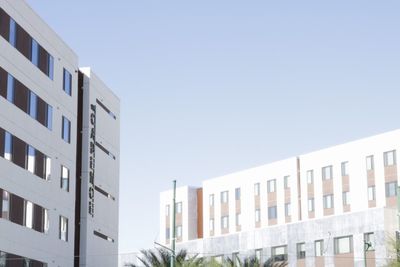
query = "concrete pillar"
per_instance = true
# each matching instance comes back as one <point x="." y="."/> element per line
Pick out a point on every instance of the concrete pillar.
<point x="329" y="252"/>
<point x="292" y="254"/>
<point x="358" y="250"/>
<point x="310" y="254"/>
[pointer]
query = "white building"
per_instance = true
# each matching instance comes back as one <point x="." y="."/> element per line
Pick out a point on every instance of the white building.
<point x="316" y="209"/>
<point x="44" y="192"/>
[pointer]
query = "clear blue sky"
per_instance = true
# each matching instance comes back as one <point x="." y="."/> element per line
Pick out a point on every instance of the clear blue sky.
<point x="212" y="87"/>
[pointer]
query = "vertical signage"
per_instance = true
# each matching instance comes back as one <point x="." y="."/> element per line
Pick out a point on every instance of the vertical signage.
<point x="92" y="157"/>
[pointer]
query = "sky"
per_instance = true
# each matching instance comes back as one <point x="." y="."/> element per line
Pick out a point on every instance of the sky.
<point x="212" y="87"/>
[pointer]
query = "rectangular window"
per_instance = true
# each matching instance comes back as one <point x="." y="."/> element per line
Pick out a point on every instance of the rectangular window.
<point x="66" y="130"/>
<point x="33" y="105"/>
<point x="237" y="194"/>
<point x="167" y="233"/>
<point x="28" y="214"/>
<point x="211" y="200"/>
<point x="279" y="253"/>
<point x="346" y="198"/>
<point x="257" y="215"/>
<point x="179" y="231"/>
<point x="319" y="248"/>
<point x="301" y="250"/>
<point x="258" y="253"/>
<point x="391" y="189"/>
<point x="8" y="146"/>
<point x="47" y="174"/>
<point x="371" y="193"/>
<point x="211" y="224"/>
<point x="345" y="170"/>
<point x="286" y="182"/>
<point x="271" y="186"/>
<point x="35" y="53"/>
<point x="46" y="221"/>
<point x="272" y="213"/>
<point x="311" y="204"/>
<point x="369" y="241"/>
<point x="63" y="230"/>
<point x="224" y="222"/>
<point x="67" y="82"/>
<point x="310" y="176"/>
<point x="224" y="197"/>
<point x="5" y="212"/>
<point x="288" y="210"/>
<point x="31" y="159"/>
<point x="50" y="71"/>
<point x="238" y="219"/>
<point x="343" y="245"/>
<point x="257" y="189"/>
<point x="64" y="178"/>
<point x="389" y="158"/>
<point x="370" y="163"/>
<point x="327" y="173"/>
<point x="49" y="117"/>
<point x="167" y="210"/>
<point x="10" y="88"/>
<point x="178" y="207"/>
<point x="13" y="32"/>
<point x="328" y="201"/>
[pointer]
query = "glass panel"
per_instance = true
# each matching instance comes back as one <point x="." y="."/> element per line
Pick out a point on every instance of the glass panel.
<point x="344" y="168"/>
<point x="286" y="180"/>
<point x="371" y="193"/>
<point x="33" y="105"/>
<point x="370" y="163"/>
<point x="343" y="245"/>
<point x="211" y="200"/>
<point x="257" y="214"/>
<point x="257" y="189"/>
<point x="51" y="67"/>
<point x="310" y="204"/>
<point x="272" y="212"/>
<point x="10" y="88"/>
<point x="65" y="178"/>
<point x="28" y="214"/>
<point x="67" y="82"/>
<point x="8" y="146"/>
<point x="46" y="221"/>
<point x="63" y="228"/>
<point x="319" y="247"/>
<point x="35" y="53"/>
<point x="237" y="193"/>
<point x="287" y="209"/>
<point x="310" y="176"/>
<point x="49" y="117"/>
<point x="48" y="168"/>
<point x="13" y="32"/>
<point x="6" y="205"/>
<point x="31" y="159"/>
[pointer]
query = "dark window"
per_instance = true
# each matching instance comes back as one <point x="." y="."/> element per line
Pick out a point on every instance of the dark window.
<point x="19" y="152"/>
<point x="2" y="142"/>
<point x="4" y="24"/>
<point x="43" y="60"/>
<point x="40" y="164"/>
<point x="23" y="42"/>
<point x="21" y="94"/>
<point x="3" y="82"/>
<point x="16" y="209"/>
<point x="41" y="111"/>
<point x="66" y="130"/>
<point x="391" y="189"/>
<point x="38" y="218"/>
<point x="67" y="84"/>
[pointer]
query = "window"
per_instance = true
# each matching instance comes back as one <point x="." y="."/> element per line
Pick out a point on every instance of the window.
<point x="179" y="231"/>
<point x="258" y="253"/>
<point x="224" y="197"/>
<point x="49" y="117"/>
<point x="343" y="245"/>
<point x="369" y="241"/>
<point x="279" y="253"/>
<point x="47" y="174"/>
<point x="211" y="224"/>
<point x="13" y="32"/>
<point x="46" y="221"/>
<point x="64" y="178"/>
<point x="35" y="53"/>
<point x="328" y="201"/>
<point x="67" y="82"/>
<point x="346" y="198"/>
<point x="311" y="204"/>
<point x="238" y="219"/>
<point x="66" y="130"/>
<point x="286" y="182"/>
<point x="63" y="233"/>
<point x="257" y="189"/>
<point x="50" y="70"/>
<point x="271" y="186"/>
<point x="8" y="146"/>
<point x="370" y="162"/>
<point x="301" y="250"/>
<point x="211" y="200"/>
<point x="345" y="168"/>
<point x="371" y="193"/>
<point x="310" y="176"/>
<point x="237" y="194"/>
<point x="28" y="214"/>
<point x="10" y="88"/>
<point x="32" y="105"/>
<point x="167" y="210"/>
<point x="287" y="210"/>
<point x="319" y="248"/>
<point x="327" y="172"/>
<point x="31" y="159"/>
<point x="389" y="158"/>
<point x="5" y="212"/>
<point x="391" y="189"/>
<point x="272" y="213"/>
<point x="257" y="215"/>
<point x="224" y="222"/>
<point x="178" y="207"/>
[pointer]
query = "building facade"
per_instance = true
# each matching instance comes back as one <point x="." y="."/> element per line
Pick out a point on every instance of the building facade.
<point x="316" y="209"/>
<point x="43" y="153"/>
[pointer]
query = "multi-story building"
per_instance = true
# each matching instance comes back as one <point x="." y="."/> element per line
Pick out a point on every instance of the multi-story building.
<point x="332" y="207"/>
<point x="48" y="149"/>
